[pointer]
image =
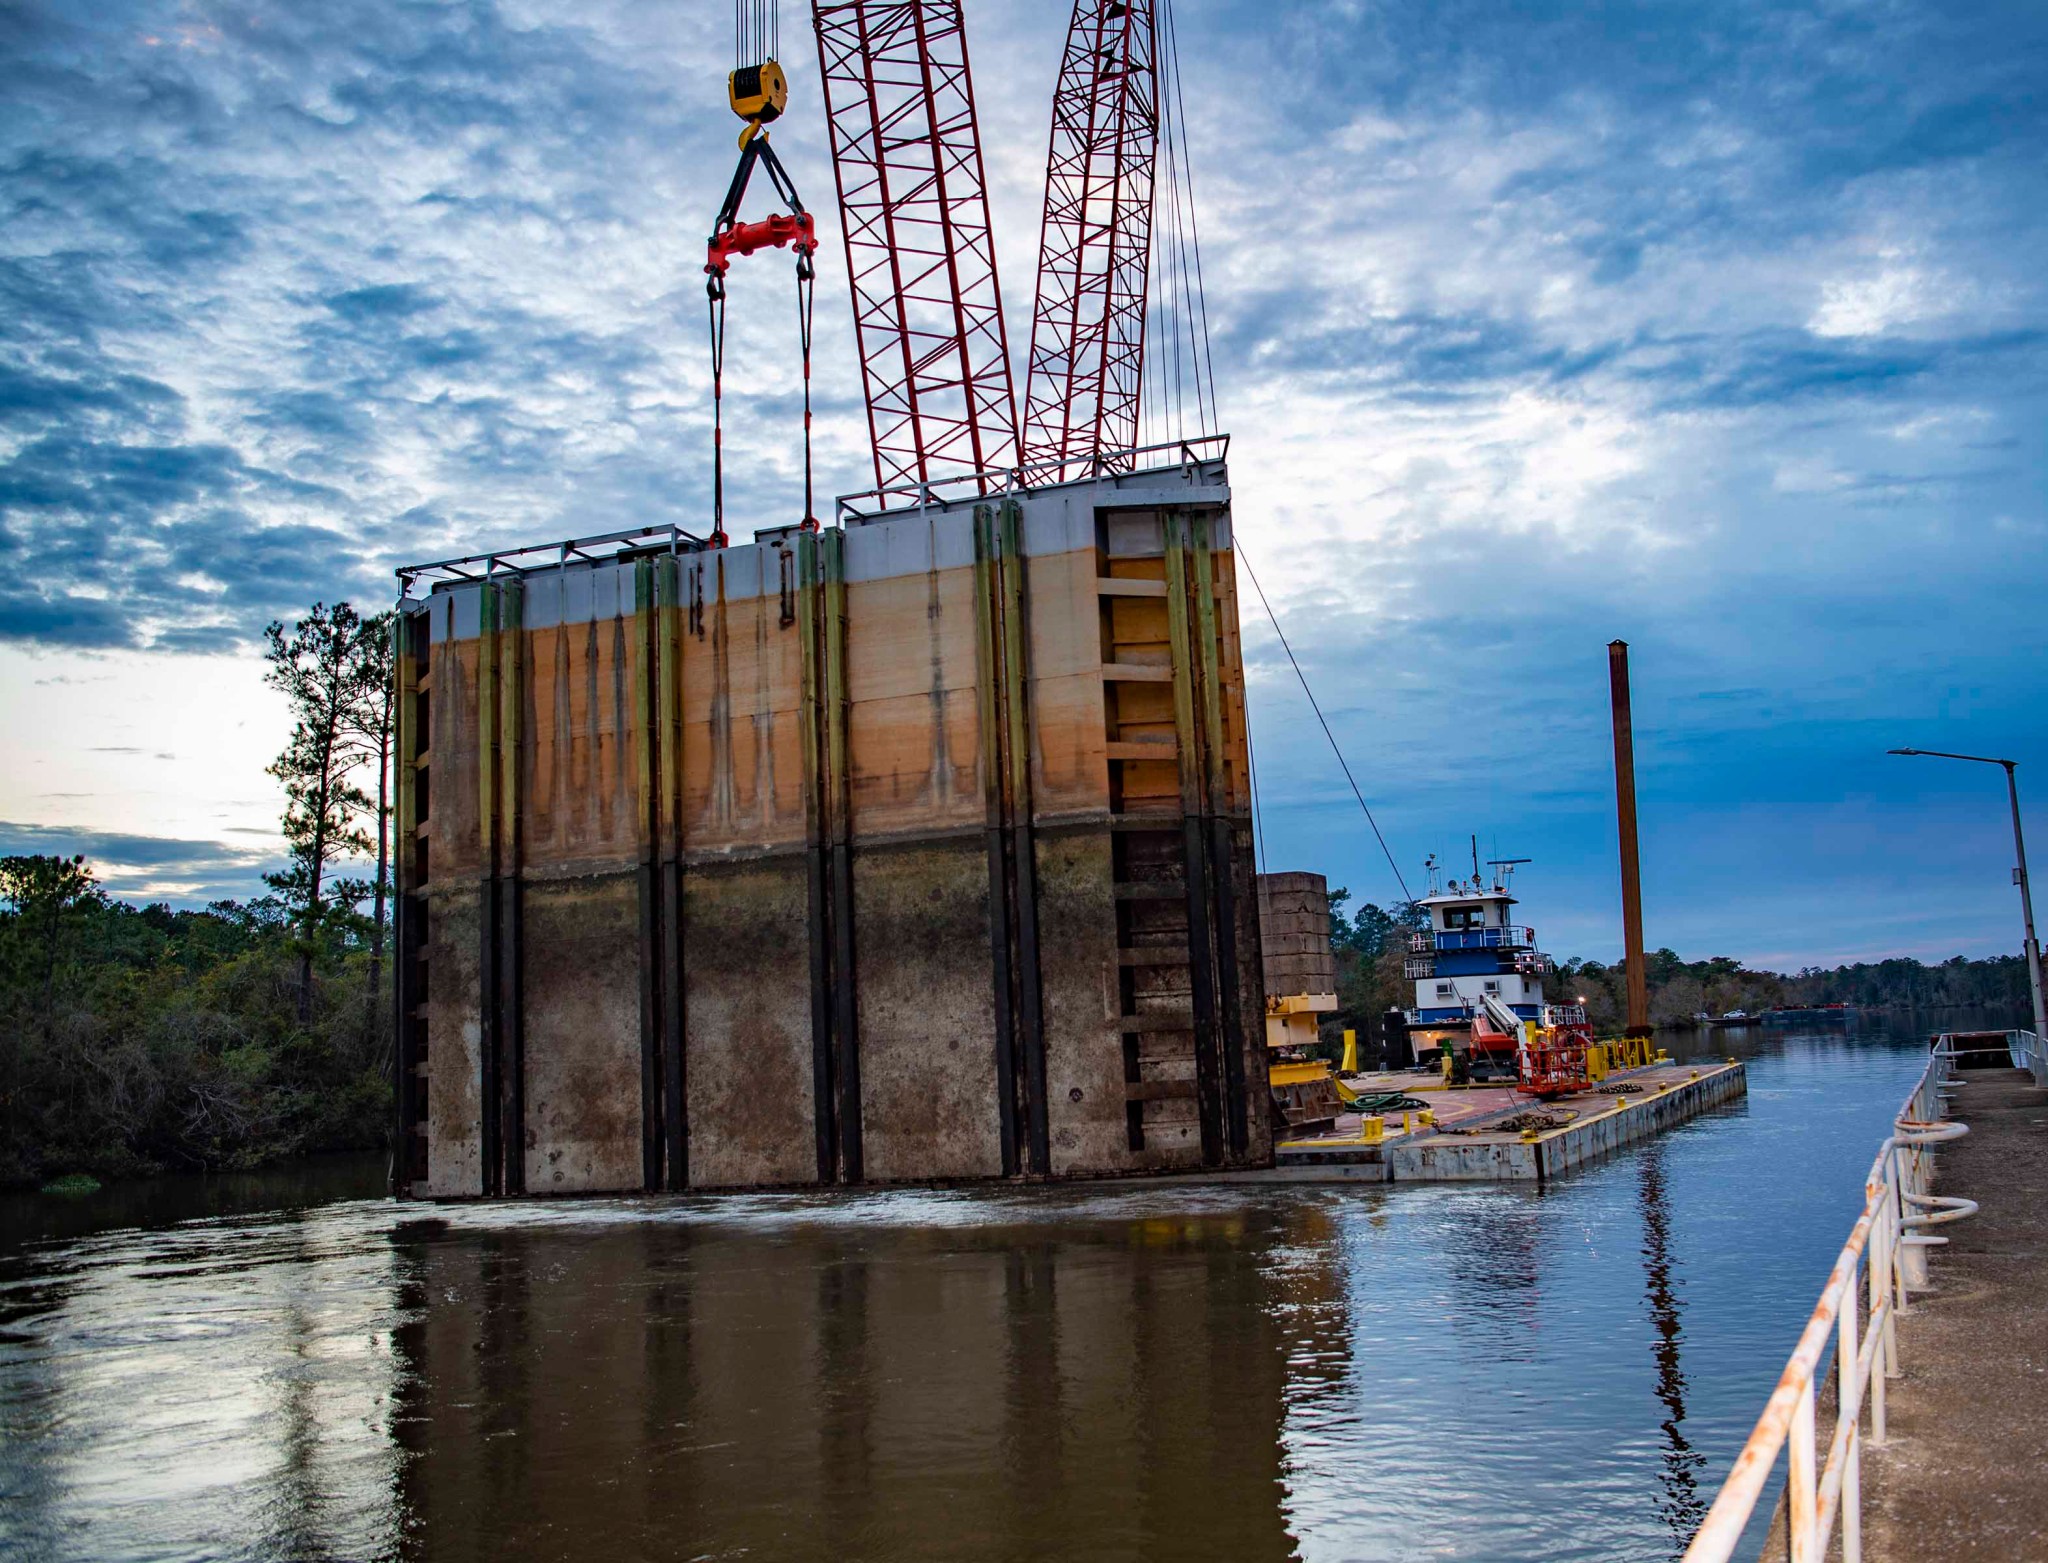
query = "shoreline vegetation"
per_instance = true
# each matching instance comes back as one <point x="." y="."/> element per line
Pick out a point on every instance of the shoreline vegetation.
<point x="143" y="1040"/>
<point x="138" y="1040"/>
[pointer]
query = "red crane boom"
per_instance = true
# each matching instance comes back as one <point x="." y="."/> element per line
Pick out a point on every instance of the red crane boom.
<point x="920" y="256"/>
<point x="1088" y="327"/>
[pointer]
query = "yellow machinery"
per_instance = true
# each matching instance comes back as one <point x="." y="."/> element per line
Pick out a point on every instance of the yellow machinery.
<point x="1307" y="1096"/>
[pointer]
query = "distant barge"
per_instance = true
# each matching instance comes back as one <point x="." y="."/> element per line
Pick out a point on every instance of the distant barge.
<point x="1489" y="1133"/>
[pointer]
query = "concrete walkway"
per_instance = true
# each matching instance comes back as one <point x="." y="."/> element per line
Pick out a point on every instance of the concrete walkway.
<point x="1965" y="1475"/>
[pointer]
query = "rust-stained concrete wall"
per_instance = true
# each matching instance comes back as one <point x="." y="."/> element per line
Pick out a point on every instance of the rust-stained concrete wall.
<point x="808" y="860"/>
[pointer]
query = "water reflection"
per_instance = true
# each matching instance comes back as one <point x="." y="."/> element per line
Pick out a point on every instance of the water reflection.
<point x="1251" y="1373"/>
<point x="832" y="1391"/>
<point x="1680" y="1502"/>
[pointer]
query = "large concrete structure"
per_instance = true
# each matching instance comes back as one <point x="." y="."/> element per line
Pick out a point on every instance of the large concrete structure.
<point x="1299" y="963"/>
<point x="917" y="848"/>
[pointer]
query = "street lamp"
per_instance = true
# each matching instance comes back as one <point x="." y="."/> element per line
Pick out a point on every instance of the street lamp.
<point x="2019" y="875"/>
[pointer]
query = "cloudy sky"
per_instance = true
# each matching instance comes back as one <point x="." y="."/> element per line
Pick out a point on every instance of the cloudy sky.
<point x="1717" y="325"/>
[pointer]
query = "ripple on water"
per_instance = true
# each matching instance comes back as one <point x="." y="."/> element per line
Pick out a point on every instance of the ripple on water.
<point x="1106" y="1371"/>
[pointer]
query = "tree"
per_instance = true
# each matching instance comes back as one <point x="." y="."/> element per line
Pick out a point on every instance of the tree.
<point x="370" y="722"/>
<point x="44" y="894"/>
<point x="324" y="672"/>
<point x="1371" y="946"/>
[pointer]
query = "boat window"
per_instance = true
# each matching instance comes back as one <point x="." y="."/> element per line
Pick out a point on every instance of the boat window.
<point x="1444" y="990"/>
<point x="1464" y="917"/>
<point x="1493" y="987"/>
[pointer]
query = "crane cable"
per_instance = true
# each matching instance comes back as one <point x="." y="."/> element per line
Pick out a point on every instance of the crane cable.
<point x="757" y="36"/>
<point x="806" y="288"/>
<point x="1183" y="362"/>
<point x="1316" y="706"/>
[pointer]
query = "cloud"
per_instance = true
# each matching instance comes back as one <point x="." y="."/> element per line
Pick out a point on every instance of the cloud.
<point x="151" y="868"/>
<point x="1717" y="326"/>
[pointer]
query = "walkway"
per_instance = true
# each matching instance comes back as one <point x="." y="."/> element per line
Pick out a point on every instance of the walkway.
<point x="1965" y="1474"/>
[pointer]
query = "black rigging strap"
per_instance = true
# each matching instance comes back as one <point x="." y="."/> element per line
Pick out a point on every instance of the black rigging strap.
<point x="731" y="237"/>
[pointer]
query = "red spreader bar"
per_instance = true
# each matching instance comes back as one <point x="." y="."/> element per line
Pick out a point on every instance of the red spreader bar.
<point x="769" y="233"/>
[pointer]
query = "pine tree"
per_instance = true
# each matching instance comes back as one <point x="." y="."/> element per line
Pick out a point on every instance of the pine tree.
<point x="370" y="722"/>
<point x="323" y="671"/>
<point x="43" y="894"/>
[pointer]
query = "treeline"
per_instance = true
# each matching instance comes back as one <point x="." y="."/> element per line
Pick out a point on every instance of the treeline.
<point x="142" y="1040"/>
<point x="135" y="1040"/>
<point x="1371" y="944"/>
<point x="1680" y="989"/>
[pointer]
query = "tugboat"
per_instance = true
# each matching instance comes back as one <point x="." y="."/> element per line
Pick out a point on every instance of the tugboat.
<point x="1479" y="981"/>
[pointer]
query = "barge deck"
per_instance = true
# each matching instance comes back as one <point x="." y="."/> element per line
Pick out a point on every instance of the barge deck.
<point x="1489" y="1133"/>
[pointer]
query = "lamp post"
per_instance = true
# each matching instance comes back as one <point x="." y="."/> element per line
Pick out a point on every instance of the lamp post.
<point x="2019" y="874"/>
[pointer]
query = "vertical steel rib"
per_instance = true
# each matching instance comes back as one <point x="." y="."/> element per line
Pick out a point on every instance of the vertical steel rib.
<point x="406" y="932"/>
<point x="1023" y="849"/>
<point x="668" y="670"/>
<point x="817" y="877"/>
<point x="511" y="908"/>
<point x="1216" y="807"/>
<point x="1194" y="841"/>
<point x="488" y="1124"/>
<point x="989" y="716"/>
<point x="839" y="803"/>
<point x="646" y="827"/>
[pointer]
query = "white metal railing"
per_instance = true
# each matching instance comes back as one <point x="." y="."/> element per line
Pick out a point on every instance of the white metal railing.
<point x="2029" y="1052"/>
<point x="1887" y="1254"/>
<point x="1491" y="938"/>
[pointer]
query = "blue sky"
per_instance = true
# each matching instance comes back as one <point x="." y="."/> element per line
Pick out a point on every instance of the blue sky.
<point x="1716" y="326"/>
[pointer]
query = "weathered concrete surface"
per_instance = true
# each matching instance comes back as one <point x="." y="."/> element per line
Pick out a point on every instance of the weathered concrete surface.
<point x="750" y="1073"/>
<point x="927" y="1012"/>
<point x="1965" y="1474"/>
<point x="582" y="1042"/>
<point x="455" y="1044"/>
<point x="1076" y="943"/>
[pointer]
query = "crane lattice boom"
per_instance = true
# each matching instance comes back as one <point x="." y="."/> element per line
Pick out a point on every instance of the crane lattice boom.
<point x="928" y="317"/>
<point x="1088" y="326"/>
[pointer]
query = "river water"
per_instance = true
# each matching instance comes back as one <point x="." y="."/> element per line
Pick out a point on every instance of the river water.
<point x="1203" y="1372"/>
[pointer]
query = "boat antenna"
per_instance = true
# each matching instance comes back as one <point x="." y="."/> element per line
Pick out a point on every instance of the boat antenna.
<point x="1501" y="880"/>
<point x="1475" y="862"/>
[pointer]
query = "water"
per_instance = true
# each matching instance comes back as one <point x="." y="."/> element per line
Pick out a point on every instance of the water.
<point x="1354" y="1373"/>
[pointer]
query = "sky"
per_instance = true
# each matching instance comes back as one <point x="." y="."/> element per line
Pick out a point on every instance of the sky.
<point x="1717" y="326"/>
